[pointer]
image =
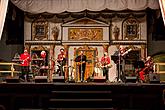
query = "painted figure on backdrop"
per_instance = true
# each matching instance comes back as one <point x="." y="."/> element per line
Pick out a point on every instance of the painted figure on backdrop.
<point x="105" y="65"/>
<point x="81" y="63"/>
<point x="61" y="59"/>
<point x="25" y="63"/>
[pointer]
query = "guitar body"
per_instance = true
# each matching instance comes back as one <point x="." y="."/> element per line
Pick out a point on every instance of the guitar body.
<point x="80" y="63"/>
<point x="142" y="73"/>
<point x="106" y="66"/>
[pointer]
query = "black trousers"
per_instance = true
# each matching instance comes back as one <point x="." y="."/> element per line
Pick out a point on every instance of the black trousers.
<point x="120" y="73"/>
<point x="81" y="72"/>
<point x="25" y="73"/>
<point x="60" y="70"/>
<point x="105" y="72"/>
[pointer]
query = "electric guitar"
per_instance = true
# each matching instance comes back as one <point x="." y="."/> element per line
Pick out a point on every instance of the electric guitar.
<point x="106" y="65"/>
<point x="80" y="63"/>
<point x="23" y="61"/>
<point x="126" y="52"/>
<point x="142" y="72"/>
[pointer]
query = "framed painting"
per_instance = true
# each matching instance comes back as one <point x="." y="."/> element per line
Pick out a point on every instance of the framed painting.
<point x="131" y="29"/>
<point x="40" y="29"/>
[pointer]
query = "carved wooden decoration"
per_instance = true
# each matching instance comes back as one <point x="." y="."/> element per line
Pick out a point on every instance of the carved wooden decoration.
<point x="131" y="29"/>
<point x="85" y="34"/>
<point x="40" y="29"/>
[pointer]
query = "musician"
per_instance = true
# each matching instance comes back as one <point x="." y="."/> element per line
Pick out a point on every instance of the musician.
<point x="25" y="63"/>
<point x="147" y="69"/>
<point x="61" y="59"/>
<point x="81" y="62"/>
<point x="120" y="62"/>
<point x="150" y="64"/>
<point x="105" y="63"/>
<point x="123" y="51"/>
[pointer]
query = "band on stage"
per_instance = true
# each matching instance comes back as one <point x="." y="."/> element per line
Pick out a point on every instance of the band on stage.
<point x="101" y="68"/>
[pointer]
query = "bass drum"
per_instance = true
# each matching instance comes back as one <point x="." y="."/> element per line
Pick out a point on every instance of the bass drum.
<point x="98" y="71"/>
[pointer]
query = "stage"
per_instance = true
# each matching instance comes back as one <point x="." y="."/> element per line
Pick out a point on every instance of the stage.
<point x="81" y="96"/>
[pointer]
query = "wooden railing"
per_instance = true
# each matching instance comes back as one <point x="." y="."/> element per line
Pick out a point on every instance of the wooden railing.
<point x="7" y="67"/>
<point x="159" y="68"/>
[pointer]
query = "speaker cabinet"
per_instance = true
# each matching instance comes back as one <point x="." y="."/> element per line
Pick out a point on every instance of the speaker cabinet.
<point x="99" y="79"/>
<point x="12" y="79"/>
<point x="58" y="79"/>
<point x="41" y="79"/>
<point x="131" y="79"/>
<point x="154" y="78"/>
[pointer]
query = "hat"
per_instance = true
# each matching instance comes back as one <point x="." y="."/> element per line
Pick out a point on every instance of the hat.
<point x="61" y="49"/>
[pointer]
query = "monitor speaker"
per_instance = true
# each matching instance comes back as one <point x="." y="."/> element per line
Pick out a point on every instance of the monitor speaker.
<point x="99" y="79"/>
<point x="131" y="79"/>
<point x="58" y="79"/>
<point x="12" y="79"/>
<point x="154" y="78"/>
<point x="41" y="79"/>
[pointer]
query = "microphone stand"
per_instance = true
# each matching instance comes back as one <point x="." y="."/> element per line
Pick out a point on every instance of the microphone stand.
<point x="71" y="76"/>
<point x="81" y="68"/>
<point x="119" y="77"/>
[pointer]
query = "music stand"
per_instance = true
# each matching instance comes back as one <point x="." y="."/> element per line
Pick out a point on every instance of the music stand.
<point x="139" y="64"/>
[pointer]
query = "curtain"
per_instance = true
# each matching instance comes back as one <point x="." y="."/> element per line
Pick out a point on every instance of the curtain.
<point x="162" y="7"/>
<point x="58" y="6"/>
<point x="3" y="10"/>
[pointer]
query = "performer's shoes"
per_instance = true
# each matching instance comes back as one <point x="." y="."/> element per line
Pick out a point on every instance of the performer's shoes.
<point x="107" y="81"/>
<point x="84" y="81"/>
<point x="22" y="80"/>
<point x="78" y="81"/>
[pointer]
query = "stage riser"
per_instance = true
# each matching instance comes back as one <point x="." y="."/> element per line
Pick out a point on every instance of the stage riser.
<point x="79" y="104"/>
<point x="82" y="95"/>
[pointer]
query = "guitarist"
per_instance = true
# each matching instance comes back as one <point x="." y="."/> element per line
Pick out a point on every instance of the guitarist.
<point x="61" y="59"/>
<point x="105" y="64"/>
<point x="81" y="62"/>
<point x="25" y="62"/>
<point x="147" y="69"/>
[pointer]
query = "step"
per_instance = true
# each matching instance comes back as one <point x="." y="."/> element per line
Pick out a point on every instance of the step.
<point x="80" y="108"/>
<point x="84" y="92"/>
<point x="79" y="100"/>
<point x="81" y="103"/>
<point x="81" y="94"/>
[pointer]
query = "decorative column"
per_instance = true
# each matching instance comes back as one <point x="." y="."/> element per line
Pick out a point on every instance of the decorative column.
<point x="28" y="46"/>
<point x="143" y="51"/>
<point x="52" y="63"/>
<point x="66" y="48"/>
